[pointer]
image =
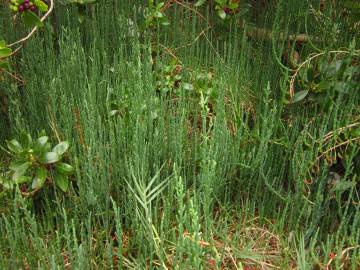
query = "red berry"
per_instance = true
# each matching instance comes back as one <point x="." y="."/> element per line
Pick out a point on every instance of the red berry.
<point x="26" y="1"/>
<point x="26" y="5"/>
<point x="21" y="8"/>
<point x="32" y="7"/>
<point x="227" y="10"/>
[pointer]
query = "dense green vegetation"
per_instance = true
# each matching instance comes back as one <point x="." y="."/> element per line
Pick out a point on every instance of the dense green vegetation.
<point x="196" y="140"/>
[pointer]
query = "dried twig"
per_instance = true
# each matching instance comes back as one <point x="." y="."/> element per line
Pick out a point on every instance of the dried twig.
<point x="195" y="40"/>
<point x="331" y="133"/>
<point x="17" y="78"/>
<point x="335" y="147"/>
<point x="169" y="51"/>
<point x="257" y="32"/>
<point x="193" y="10"/>
<point x="342" y="253"/>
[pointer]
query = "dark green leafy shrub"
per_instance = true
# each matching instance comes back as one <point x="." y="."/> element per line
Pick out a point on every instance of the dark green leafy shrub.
<point x="154" y="14"/>
<point x="117" y="106"/>
<point x="337" y="74"/>
<point x="34" y="162"/>
<point x="173" y="77"/>
<point x="168" y="77"/>
<point x="226" y="8"/>
<point x="202" y="83"/>
<point x="327" y="75"/>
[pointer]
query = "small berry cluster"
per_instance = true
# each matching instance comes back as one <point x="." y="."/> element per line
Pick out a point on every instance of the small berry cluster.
<point x="227" y="10"/>
<point x="21" y="6"/>
<point x="27" y="5"/>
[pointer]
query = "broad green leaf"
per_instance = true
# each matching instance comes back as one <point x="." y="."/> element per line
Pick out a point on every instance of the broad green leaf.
<point x="14" y="146"/>
<point x="19" y="169"/>
<point x="160" y="5"/>
<point x="5" y="183"/>
<point x="61" y="181"/>
<point x="2" y="43"/>
<point x="222" y="14"/>
<point x="51" y="157"/>
<point x="22" y="179"/>
<point x="31" y="19"/>
<point x="42" y="133"/>
<point x="200" y="3"/>
<point x="4" y="64"/>
<point x="41" y="5"/>
<point x="165" y="22"/>
<point x="299" y="96"/>
<point x="42" y="140"/>
<point x="64" y="168"/>
<point x="5" y="52"/>
<point x="39" y="178"/>
<point x="323" y="86"/>
<point x="16" y="163"/>
<point x="158" y="14"/>
<point x="61" y="148"/>
<point x="233" y="5"/>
